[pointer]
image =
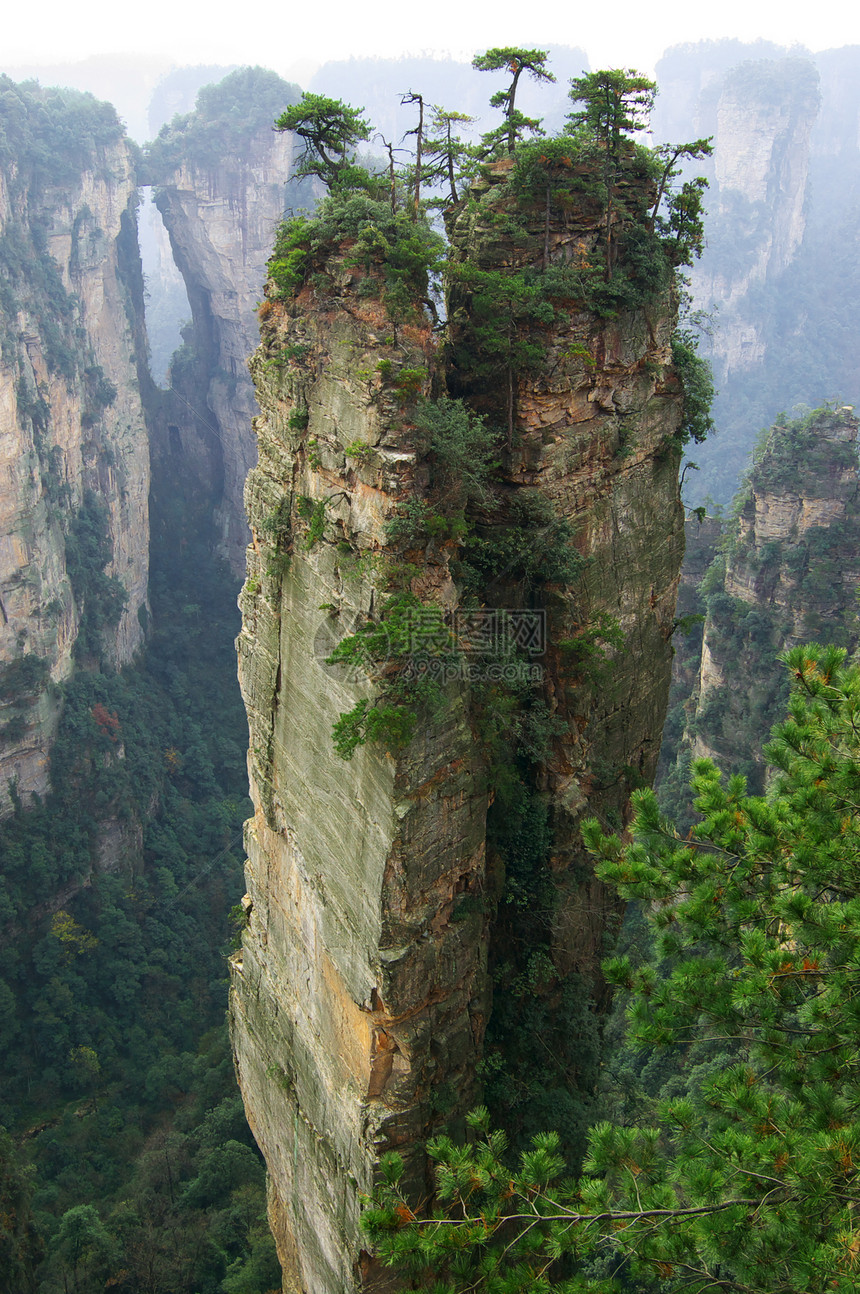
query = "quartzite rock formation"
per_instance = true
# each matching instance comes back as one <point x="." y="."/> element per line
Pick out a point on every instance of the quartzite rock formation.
<point x="221" y="221"/>
<point x="791" y="576"/>
<point x="71" y="421"/>
<point x="361" y="993"/>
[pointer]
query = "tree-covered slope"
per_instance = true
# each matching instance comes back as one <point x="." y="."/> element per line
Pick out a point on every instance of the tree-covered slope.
<point x="746" y="1182"/>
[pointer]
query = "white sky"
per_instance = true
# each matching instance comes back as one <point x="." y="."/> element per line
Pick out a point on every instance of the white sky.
<point x="292" y="38"/>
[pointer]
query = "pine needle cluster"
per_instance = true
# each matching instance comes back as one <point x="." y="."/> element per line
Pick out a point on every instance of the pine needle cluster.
<point x="751" y="1183"/>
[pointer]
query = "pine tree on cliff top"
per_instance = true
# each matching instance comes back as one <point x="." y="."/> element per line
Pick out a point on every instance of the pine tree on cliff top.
<point x="752" y="1184"/>
<point x="516" y="61"/>
<point x="331" y="131"/>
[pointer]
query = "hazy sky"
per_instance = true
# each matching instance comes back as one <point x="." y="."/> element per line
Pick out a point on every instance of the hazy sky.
<point x="293" y="38"/>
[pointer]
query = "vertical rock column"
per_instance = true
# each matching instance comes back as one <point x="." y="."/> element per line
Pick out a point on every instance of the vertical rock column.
<point x="359" y="997"/>
<point x="221" y="222"/>
<point x="790" y="575"/>
<point x="71" y="421"/>
<point x="594" y="439"/>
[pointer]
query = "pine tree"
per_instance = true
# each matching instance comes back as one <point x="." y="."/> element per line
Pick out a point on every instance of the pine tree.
<point x="752" y="1182"/>
<point x="516" y="61"/>
<point x="615" y="104"/>
<point x="448" y="157"/>
<point x="331" y="131"/>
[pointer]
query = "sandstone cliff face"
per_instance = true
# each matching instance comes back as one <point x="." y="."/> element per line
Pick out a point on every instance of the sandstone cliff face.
<point x="594" y="440"/>
<point x="221" y="221"/>
<point x="763" y="123"/>
<point x="791" y="576"/>
<point x="355" y="994"/>
<point x="778" y="274"/>
<point x="71" y="421"/>
<point x="360" y="998"/>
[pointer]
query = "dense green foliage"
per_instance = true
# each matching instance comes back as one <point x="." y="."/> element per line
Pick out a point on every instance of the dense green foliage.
<point x="50" y="136"/>
<point x="225" y="119"/>
<point x="698" y="385"/>
<point x="23" y="677"/>
<point x="400" y="257"/>
<point x="502" y="339"/>
<point x="521" y="549"/>
<point x="100" y="597"/>
<point x="614" y="104"/>
<point x="794" y="452"/>
<point x="750" y="1182"/>
<point x="331" y="131"/>
<point x="504" y="315"/>
<point x="117" y="1070"/>
<point x="802" y="582"/>
<point x="464" y="452"/>
<point x="596" y="159"/>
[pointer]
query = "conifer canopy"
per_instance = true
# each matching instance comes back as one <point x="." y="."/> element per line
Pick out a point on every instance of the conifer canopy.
<point x="751" y="1181"/>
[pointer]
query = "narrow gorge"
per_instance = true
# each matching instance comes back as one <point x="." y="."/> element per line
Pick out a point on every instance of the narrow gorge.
<point x="121" y="726"/>
<point x="86" y="433"/>
<point x="221" y="182"/>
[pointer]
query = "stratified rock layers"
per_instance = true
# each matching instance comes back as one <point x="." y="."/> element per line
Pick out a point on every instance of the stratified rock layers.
<point x="361" y="993"/>
<point x="71" y="421"/>
<point x="221" y="222"/>
<point x="355" y="994"/>
<point x="594" y="436"/>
